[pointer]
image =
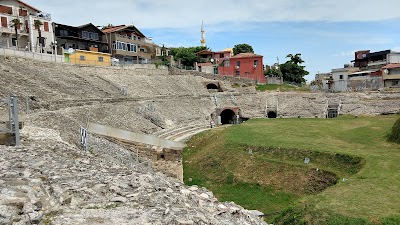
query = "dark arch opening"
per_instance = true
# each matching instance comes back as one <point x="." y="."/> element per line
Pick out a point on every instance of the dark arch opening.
<point x="212" y="86"/>
<point x="272" y="114"/>
<point x="228" y="117"/>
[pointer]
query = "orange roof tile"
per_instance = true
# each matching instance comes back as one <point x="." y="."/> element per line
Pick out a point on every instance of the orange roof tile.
<point x="392" y="66"/>
<point x="114" y="28"/>
<point x="204" y="64"/>
<point x="246" y="55"/>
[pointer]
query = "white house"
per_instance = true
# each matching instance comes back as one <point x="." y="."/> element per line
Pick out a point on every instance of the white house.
<point x="28" y="35"/>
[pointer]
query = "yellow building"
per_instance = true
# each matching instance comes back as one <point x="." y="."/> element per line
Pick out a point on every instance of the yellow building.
<point x="83" y="57"/>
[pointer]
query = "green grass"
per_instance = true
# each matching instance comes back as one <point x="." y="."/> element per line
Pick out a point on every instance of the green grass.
<point x="281" y="87"/>
<point x="351" y="148"/>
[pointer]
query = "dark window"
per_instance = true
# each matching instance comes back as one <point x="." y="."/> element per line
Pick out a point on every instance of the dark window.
<point x="341" y="77"/>
<point x="255" y="62"/>
<point x="238" y="63"/>
<point x="101" y="59"/>
<point x="82" y="57"/>
<point x="237" y="73"/>
<point x="63" y="33"/>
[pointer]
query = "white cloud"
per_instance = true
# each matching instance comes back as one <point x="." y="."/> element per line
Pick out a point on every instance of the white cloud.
<point x="184" y="14"/>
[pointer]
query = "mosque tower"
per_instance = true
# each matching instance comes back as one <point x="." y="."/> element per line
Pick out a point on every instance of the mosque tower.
<point x="203" y="40"/>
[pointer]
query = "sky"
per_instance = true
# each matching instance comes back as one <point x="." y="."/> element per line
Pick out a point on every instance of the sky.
<point x="325" y="32"/>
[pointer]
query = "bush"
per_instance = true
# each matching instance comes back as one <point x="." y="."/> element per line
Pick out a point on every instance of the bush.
<point x="394" y="135"/>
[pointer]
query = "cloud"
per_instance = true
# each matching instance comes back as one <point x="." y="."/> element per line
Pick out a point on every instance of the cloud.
<point x="184" y="14"/>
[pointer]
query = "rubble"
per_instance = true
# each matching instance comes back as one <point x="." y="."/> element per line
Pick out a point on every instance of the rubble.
<point x="48" y="181"/>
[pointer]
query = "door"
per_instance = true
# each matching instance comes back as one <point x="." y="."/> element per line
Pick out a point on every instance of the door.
<point x="66" y="58"/>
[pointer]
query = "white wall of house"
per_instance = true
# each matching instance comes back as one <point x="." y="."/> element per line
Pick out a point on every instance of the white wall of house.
<point x="393" y="58"/>
<point x="27" y="33"/>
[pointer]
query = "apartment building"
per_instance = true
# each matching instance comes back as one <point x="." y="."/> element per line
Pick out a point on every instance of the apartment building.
<point x="83" y="44"/>
<point x="130" y="46"/>
<point x="25" y="27"/>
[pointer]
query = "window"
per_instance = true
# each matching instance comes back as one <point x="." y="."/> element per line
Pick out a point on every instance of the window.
<point x="237" y="73"/>
<point x="23" y="12"/>
<point x="101" y="59"/>
<point x="85" y="34"/>
<point x="238" y="63"/>
<point x="255" y="63"/>
<point x="5" y="9"/>
<point x="63" y="33"/>
<point x="133" y="48"/>
<point x="95" y="36"/>
<point x="46" y="26"/>
<point x="227" y="63"/>
<point x="395" y="83"/>
<point x="341" y="77"/>
<point x="4" y="22"/>
<point x="82" y="58"/>
<point x="124" y="46"/>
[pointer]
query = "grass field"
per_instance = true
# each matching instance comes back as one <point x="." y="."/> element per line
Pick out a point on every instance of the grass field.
<point x="281" y="87"/>
<point x="274" y="177"/>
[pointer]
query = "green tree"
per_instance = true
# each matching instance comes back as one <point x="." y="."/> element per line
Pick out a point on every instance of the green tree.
<point x="274" y="72"/>
<point x="295" y="58"/>
<point x="38" y="24"/>
<point x="187" y="56"/>
<point x="242" y="48"/>
<point x="292" y="70"/>
<point x="16" y="23"/>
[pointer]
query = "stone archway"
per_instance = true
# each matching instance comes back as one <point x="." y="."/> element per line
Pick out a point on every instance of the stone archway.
<point x="228" y="116"/>
<point x="272" y="114"/>
<point x="212" y="86"/>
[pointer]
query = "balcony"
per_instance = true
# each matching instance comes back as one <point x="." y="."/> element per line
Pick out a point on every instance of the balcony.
<point x="377" y="63"/>
<point x="11" y="30"/>
<point x="128" y="39"/>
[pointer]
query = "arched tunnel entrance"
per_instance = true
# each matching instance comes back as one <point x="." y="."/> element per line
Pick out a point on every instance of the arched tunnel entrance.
<point x="212" y="86"/>
<point x="271" y="114"/>
<point x="228" y="116"/>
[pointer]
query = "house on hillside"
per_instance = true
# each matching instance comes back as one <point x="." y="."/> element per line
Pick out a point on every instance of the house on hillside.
<point x="367" y="60"/>
<point x="130" y="46"/>
<point x="27" y="37"/>
<point x="243" y="65"/>
<point x="391" y="75"/>
<point x="83" y="44"/>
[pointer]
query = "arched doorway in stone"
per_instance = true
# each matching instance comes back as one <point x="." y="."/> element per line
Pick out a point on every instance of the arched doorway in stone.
<point x="228" y="116"/>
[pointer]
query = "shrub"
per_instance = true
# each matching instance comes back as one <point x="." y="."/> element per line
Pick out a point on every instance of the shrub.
<point x="394" y="135"/>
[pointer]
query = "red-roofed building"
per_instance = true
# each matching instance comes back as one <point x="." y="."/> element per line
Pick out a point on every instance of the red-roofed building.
<point x="243" y="65"/>
<point x="130" y="45"/>
<point x="27" y="34"/>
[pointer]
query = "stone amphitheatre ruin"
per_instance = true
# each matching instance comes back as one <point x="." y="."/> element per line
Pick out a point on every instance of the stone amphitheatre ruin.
<point x="49" y="178"/>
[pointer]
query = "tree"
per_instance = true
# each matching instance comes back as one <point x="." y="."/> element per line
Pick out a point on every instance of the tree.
<point x="296" y="59"/>
<point x="187" y="55"/>
<point x="274" y="72"/>
<point x="242" y="48"/>
<point x="37" y="24"/>
<point x="16" y="23"/>
<point x="292" y="70"/>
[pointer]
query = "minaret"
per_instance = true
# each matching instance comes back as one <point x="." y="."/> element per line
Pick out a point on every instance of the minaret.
<point x="203" y="40"/>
